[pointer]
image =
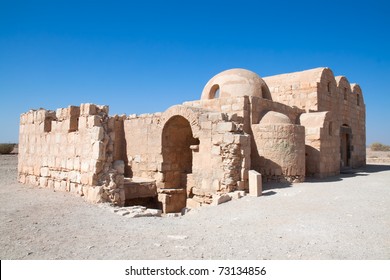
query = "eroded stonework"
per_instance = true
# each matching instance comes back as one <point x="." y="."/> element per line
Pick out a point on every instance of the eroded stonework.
<point x="285" y="127"/>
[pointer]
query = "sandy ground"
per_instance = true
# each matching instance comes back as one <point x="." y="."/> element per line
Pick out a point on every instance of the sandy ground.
<point x="343" y="217"/>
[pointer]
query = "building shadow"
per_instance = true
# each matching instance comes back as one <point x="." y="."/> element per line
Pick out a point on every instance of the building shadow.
<point x="350" y="173"/>
<point x="275" y="185"/>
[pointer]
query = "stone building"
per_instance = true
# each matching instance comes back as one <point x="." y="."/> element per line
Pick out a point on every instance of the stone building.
<point x="285" y="127"/>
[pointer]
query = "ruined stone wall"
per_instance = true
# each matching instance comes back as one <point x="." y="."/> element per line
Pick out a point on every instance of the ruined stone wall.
<point x="70" y="150"/>
<point x="220" y="153"/>
<point x="237" y="107"/>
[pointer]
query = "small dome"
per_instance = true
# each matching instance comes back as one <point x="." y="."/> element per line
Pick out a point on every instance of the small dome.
<point x="275" y="118"/>
<point x="235" y="83"/>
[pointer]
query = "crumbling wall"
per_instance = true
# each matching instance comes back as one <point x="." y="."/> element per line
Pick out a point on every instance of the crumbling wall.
<point x="70" y="150"/>
<point x="220" y="154"/>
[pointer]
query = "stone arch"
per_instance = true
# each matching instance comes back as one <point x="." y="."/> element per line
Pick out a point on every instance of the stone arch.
<point x="265" y="92"/>
<point x="176" y="142"/>
<point x="355" y="89"/>
<point x="191" y="114"/>
<point x="327" y="81"/>
<point x="343" y="86"/>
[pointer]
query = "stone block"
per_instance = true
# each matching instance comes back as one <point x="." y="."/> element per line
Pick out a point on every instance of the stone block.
<point x="74" y="111"/>
<point x="43" y="182"/>
<point x="88" y="109"/>
<point x="191" y="203"/>
<point x="85" y="166"/>
<point x="76" y="163"/>
<point x="215" y="150"/>
<point x="206" y="125"/>
<point x="97" y="133"/>
<point x="98" y="151"/>
<point x="69" y="164"/>
<point x="84" y="178"/>
<point x="236" y="194"/>
<point x="94" y="194"/>
<point x="228" y="138"/>
<point x="57" y="185"/>
<point x="214" y="117"/>
<point x="255" y="183"/>
<point x="217" y="139"/>
<point x="220" y="198"/>
<point x="154" y="212"/>
<point x="45" y="172"/>
<point x="93" y="121"/>
<point x="223" y="127"/>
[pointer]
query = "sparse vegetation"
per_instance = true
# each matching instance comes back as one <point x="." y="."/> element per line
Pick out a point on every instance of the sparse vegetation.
<point x="379" y="147"/>
<point x="6" y="148"/>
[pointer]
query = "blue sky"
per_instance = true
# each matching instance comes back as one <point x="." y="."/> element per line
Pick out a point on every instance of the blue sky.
<point x="144" y="56"/>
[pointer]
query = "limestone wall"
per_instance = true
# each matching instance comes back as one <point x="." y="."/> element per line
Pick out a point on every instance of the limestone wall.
<point x="280" y="151"/>
<point x="322" y="144"/>
<point x="318" y="90"/>
<point x="220" y="151"/>
<point x="296" y="89"/>
<point x="346" y="103"/>
<point x="70" y="150"/>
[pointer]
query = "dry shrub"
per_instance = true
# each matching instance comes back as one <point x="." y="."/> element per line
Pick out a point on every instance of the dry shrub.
<point x="379" y="147"/>
<point x="6" y="148"/>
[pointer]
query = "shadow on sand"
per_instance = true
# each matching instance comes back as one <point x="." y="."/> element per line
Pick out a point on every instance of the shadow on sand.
<point x="348" y="173"/>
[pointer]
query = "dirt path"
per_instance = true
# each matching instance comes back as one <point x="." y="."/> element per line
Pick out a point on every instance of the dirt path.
<point x="345" y="217"/>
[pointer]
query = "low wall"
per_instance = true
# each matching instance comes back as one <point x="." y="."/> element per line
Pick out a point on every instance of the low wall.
<point x="70" y="150"/>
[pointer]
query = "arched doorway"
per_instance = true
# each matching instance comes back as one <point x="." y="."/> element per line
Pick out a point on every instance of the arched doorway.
<point x="345" y="146"/>
<point x="177" y="139"/>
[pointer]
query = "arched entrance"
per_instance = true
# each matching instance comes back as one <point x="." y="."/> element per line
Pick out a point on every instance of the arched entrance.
<point x="345" y="146"/>
<point x="177" y="155"/>
<point x="177" y="138"/>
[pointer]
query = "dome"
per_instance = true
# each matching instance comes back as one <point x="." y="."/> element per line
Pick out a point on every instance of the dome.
<point x="235" y="83"/>
<point x="272" y="117"/>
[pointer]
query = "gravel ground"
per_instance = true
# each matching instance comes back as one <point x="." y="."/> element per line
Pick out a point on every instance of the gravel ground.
<point x="343" y="217"/>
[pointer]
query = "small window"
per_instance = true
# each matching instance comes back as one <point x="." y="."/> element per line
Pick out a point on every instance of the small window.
<point x="330" y="128"/>
<point x="358" y="99"/>
<point x="214" y="92"/>
<point x="345" y="94"/>
<point x="328" y="88"/>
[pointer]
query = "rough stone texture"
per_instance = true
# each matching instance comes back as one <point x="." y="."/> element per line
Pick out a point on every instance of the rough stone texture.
<point x="340" y="140"/>
<point x="285" y="127"/>
<point x="70" y="150"/>
<point x="255" y="183"/>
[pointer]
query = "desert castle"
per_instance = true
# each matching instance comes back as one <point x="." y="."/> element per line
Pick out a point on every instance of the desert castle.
<point x="285" y="127"/>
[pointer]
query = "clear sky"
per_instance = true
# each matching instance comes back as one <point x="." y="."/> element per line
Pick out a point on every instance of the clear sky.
<point x="144" y="56"/>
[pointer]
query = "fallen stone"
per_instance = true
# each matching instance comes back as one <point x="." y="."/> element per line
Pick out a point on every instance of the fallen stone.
<point x="155" y="212"/>
<point x="220" y="198"/>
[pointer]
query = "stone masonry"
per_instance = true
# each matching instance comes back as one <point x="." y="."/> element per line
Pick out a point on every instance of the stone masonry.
<point x="284" y="127"/>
